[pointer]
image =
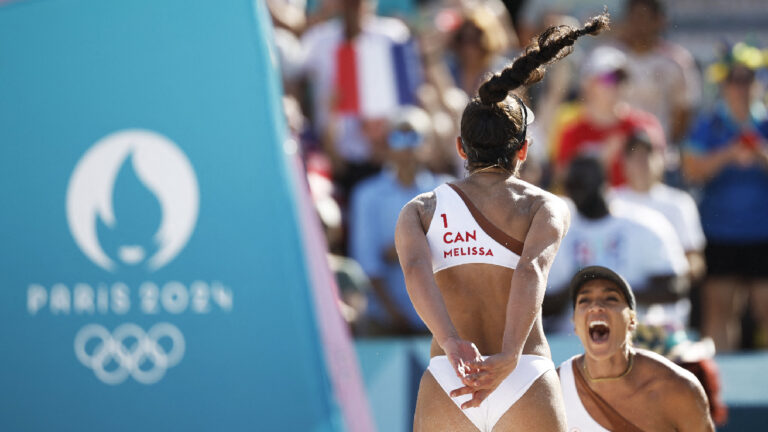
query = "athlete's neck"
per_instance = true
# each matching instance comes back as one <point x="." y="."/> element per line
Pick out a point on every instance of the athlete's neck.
<point x="616" y="366"/>
<point x="492" y="169"/>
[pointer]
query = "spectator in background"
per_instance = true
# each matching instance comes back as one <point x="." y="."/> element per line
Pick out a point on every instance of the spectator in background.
<point x="604" y="121"/>
<point x="661" y="76"/>
<point x="374" y="209"/>
<point x="288" y="19"/>
<point x="727" y="154"/>
<point x="476" y="48"/>
<point x="353" y="285"/>
<point x="553" y="103"/>
<point x="288" y="14"/>
<point x="361" y="68"/>
<point x="644" y="169"/>
<point x="638" y="244"/>
<point x="555" y="95"/>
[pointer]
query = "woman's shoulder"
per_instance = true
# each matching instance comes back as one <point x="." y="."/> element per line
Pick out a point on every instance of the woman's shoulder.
<point x="541" y="198"/>
<point x="421" y="202"/>
<point x="681" y="391"/>
<point x="539" y="204"/>
<point x="529" y="190"/>
<point x="422" y="206"/>
<point x="666" y="375"/>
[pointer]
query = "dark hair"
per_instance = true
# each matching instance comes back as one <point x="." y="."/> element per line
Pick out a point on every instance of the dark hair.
<point x="585" y="175"/>
<point x="638" y="139"/>
<point x="492" y="127"/>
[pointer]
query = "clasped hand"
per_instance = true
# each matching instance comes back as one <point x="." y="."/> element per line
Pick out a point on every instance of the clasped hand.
<point x="479" y="376"/>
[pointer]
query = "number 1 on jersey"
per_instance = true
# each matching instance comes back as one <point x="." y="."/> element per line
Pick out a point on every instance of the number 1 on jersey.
<point x="445" y="220"/>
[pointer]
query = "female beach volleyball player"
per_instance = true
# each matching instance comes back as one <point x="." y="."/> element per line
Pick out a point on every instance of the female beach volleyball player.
<point x="476" y="254"/>
<point x="613" y="386"/>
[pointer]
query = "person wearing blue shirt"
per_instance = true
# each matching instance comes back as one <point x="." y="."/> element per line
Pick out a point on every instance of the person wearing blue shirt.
<point x="727" y="154"/>
<point x="374" y="208"/>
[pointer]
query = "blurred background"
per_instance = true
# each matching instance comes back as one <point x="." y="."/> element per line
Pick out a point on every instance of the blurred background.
<point x="653" y="118"/>
<point x="269" y="160"/>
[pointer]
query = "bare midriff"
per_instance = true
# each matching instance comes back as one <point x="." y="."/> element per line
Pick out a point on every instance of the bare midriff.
<point x="476" y="297"/>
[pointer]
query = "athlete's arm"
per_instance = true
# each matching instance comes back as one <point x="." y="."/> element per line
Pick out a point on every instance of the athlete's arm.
<point x="688" y="406"/>
<point x="529" y="281"/>
<point x="416" y="262"/>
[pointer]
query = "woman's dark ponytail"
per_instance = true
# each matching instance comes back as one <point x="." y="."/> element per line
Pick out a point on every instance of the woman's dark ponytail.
<point x="550" y="46"/>
<point x="492" y="129"/>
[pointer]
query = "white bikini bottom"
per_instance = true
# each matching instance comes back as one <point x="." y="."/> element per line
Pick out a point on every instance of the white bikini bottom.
<point x="484" y="417"/>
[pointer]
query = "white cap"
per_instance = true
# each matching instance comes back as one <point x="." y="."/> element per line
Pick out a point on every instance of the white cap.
<point x="529" y="115"/>
<point x="413" y="118"/>
<point x="602" y="60"/>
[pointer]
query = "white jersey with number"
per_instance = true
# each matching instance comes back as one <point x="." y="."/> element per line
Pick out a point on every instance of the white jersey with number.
<point x="460" y="234"/>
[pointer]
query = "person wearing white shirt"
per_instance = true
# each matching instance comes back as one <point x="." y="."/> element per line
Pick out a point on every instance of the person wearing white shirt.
<point x="361" y="71"/>
<point x="639" y="243"/>
<point x="662" y="76"/>
<point x="644" y="168"/>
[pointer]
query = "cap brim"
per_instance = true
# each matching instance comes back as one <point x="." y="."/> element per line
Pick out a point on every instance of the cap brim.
<point x="600" y="273"/>
<point x="530" y="116"/>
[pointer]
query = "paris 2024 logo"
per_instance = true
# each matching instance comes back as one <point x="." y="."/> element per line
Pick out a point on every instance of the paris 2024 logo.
<point x="163" y="170"/>
<point x="161" y="167"/>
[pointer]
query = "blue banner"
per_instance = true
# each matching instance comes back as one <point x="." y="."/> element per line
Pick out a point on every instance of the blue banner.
<point x="153" y="271"/>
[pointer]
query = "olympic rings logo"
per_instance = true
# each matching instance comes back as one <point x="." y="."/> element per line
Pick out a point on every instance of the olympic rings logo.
<point x="143" y="357"/>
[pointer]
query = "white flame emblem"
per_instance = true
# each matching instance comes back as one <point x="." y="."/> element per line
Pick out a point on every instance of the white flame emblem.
<point x="160" y="166"/>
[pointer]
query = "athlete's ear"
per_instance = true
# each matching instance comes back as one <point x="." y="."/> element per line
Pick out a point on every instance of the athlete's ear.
<point x="523" y="152"/>
<point x="460" y="148"/>
<point x="632" y="320"/>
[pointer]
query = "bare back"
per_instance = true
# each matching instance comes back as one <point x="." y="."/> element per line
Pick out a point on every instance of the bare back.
<point x="476" y="295"/>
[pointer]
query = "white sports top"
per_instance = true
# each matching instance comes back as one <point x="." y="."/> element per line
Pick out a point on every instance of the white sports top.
<point x="579" y="419"/>
<point x="460" y="234"/>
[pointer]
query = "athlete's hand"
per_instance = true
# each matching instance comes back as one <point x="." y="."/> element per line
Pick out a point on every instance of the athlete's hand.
<point x="485" y="377"/>
<point x="461" y="354"/>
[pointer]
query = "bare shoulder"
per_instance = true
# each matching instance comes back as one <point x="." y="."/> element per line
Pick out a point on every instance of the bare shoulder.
<point x="550" y="206"/>
<point x="535" y="196"/>
<point x="681" y="389"/>
<point x="421" y="206"/>
<point x="549" y="219"/>
<point x="665" y="372"/>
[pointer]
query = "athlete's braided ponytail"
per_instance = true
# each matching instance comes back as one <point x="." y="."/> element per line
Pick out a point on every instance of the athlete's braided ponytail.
<point x="552" y="45"/>
<point x="491" y="126"/>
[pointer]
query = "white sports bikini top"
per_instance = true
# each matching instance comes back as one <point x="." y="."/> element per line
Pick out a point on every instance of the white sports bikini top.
<point x="460" y="234"/>
<point x="578" y="418"/>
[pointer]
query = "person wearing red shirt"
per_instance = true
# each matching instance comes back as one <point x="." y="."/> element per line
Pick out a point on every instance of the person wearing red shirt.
<point x="605" y="121"/>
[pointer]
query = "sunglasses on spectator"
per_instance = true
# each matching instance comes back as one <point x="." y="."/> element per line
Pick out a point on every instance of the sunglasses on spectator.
<point x="612" y="78"/>
<point x="402" y="140"/>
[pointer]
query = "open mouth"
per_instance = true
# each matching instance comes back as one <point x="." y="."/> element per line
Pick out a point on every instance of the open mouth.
<point x="599" y="331"/>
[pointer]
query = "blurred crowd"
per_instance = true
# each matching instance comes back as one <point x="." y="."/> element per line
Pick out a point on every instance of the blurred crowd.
<point x="663" y="158"/>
